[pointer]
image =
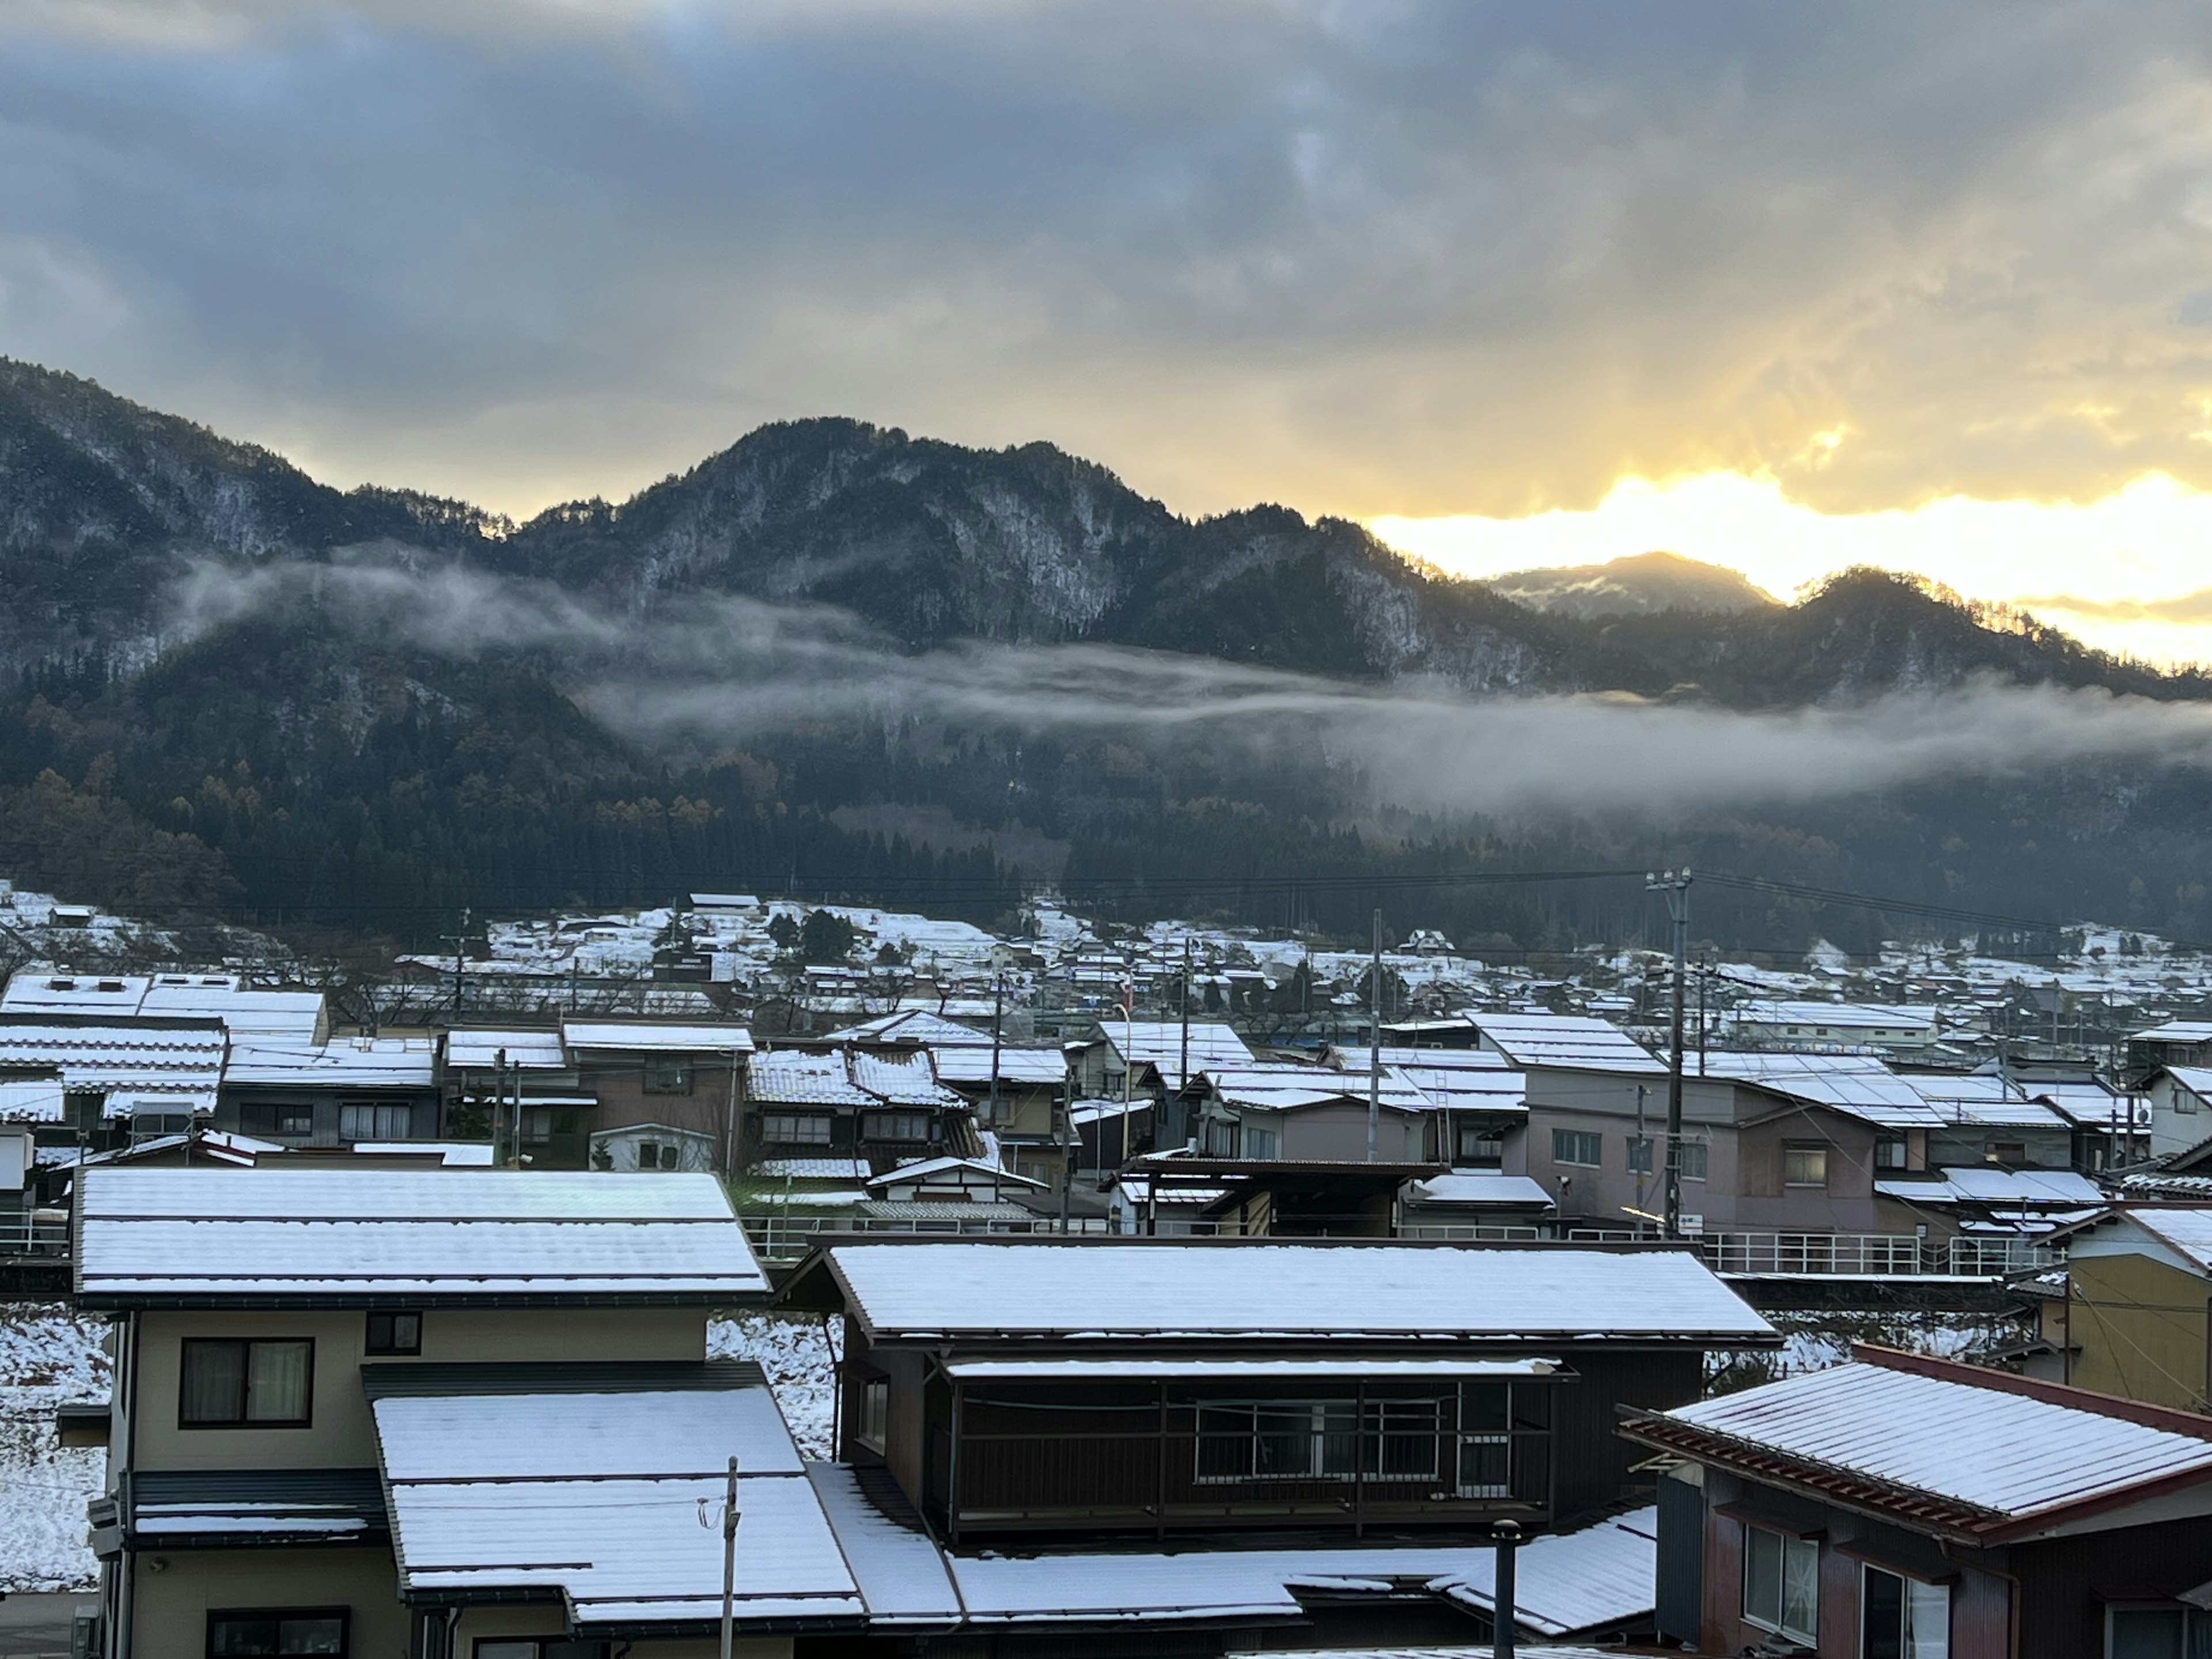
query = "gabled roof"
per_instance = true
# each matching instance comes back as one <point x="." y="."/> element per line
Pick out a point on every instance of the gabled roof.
<point x="154" y="1237"/>
<point x="1991" y="1184"/>
<point x="2185" y="1229"/>
<point x="1207" y="1292"/>
<point x="917" y="1025"/>
<point x="924" y="1168"/>
<point x="904" y="1079"/>
<point x="2176" y="1030"/>
<point x="1944" y="1448"/>
<point x="166" y="1065"/>
<point x="792" y="1076"/>
<point x="1283" y="1086"/>
<point x="972" y="1066"/>
<point x="1160" y="1044"/>
<point x="533" y="1048"/>
<point x="1863" y="1087"/>
<point x="1572" y="1042"/>
<point x="389" y="1062"/>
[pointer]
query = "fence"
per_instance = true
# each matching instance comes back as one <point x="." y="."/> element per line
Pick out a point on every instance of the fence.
<point x="20" y="1235"/>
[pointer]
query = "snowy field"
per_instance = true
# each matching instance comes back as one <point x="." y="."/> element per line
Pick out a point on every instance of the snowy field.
<point x="798" y="1352"/>
<point x="47" y="1355"/>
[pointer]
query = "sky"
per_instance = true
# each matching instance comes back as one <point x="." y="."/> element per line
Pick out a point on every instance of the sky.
<point x="1785" y="286"/>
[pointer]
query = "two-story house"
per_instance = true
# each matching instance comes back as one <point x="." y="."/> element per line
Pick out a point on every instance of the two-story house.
<point x="459" y="1415"/>
<point x="1180" y="1388"/>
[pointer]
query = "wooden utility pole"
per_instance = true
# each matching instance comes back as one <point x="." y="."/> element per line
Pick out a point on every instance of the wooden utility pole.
<point x="1674" y="886"/>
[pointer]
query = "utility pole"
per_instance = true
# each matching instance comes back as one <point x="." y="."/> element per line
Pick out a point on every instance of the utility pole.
<point x="1375" y="1044"/>
<point x="460" y="943"/>
<point x="1674" y="886"/>
<point x="730" y="1562"/>
<point x="1129" y="1059"/>
<point x="1186" y="1012"/>
<point x="499" y="1109"/>
<point x="998" y="1025"/>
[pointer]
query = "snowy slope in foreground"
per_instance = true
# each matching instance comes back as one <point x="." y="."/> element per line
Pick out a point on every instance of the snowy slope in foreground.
<point x="47" y="1355"/>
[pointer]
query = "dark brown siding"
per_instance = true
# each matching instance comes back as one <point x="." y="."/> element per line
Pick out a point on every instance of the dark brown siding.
<point x="2061" y="1581"/>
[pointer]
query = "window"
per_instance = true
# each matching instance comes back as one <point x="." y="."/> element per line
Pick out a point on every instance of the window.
<point x="1889" y="1153"/>
<point x="668" y="1077"/>
<point x="2010" y="1153"/>
<point x="1781" y="1584"/>
<point x="369" y="1119"/>
<point x="795" y="1128"/>
<point x="235" y="1383"/>
<point x="1317" y="1440"/>
<point x="1902" y="1617"/>
<point x="1482" y="1149"/>
<point x="394" y="1332"/>
<point x="1640" y="1155"/>
<point x="526" y="1647"/>
<point x="2160" y="1632"/>
<point x="1804" y="1166"/>
<point x="1503" y="1441"/>
<point x="659" y="1155"/>
<point x="286" y="1631"/>
<point x="875" y="1414"/>
<point x="1575" y="1147"/>
<point x="145" y="1126"/>
<point x="1262" y="1143"/>
<point x="896" y="1126"/>
<point x="1697" y="1157"/>
<point x="280" y="1119"/>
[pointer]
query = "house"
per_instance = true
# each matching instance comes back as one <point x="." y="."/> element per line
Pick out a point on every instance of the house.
<point x="123" y="1076"/>
<point x="337" y="1092"/>
<point x="1808" y="1027"/>
<point x="1915" y="1507"/>
<point x="883" y="1109"/>
<point x="296" y="1016"/>
<point x="1151" y="1059"/>
<point x="1017" y="1090"/>
<point x="1012" y="1388"/>
<point x="518" y="1088"/>
<point x="1182" y="1193"/>
<point x="449" y="1415"/>
<point x="678" y="1089"/>
<point x="2180" y="1098"/>
<point x="1281" y="1109"/>
<point x="2177" y="1042"/>
<point x="1481" y="1101"/>
<point x="2136" y="1320"/>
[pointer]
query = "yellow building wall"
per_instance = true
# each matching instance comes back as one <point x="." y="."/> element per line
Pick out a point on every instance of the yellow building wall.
<point x="2140" y="1327"/>
<point x="341" y="1435"/>
<point x="173" y="1602"/>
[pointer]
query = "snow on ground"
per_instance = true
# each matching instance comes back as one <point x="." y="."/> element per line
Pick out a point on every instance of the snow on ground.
<point x="47" y="1355"/>
<point x="800" y="1354"/>
<point x="1816" y="1341"/>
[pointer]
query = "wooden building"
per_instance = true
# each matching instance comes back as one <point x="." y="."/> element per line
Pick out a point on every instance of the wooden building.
<point x="1900" y="1507"/>
<point x="1173" y="1386"/>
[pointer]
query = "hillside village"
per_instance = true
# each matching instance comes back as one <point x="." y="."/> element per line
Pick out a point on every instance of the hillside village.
<point x="975" y="1251"/>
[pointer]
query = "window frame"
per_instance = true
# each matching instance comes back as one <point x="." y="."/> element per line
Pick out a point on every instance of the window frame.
<point x="770" y="1137"/>
<point x="380" y="1113"/>
<point x="1642" y="1152"/>
<point x="1702" y="1153"/>
<point x="1780" y="1625"/>
<point x="343" y="1615"/>
<point x="870" y="1429"/>
<point x="665" y="1076"/>
<point x="246" y="1388"/>
<point x="369" y="1342"/>
<point x="2191" y="1619"/>
<point x="1819" y="1149"/>
<point x="871" y="1119"/>
<point x="539" y="1645"/>
<point x="1908" y="1640"/>
<point x="1590" y="1139"/>
<point x="263" y="1117"/>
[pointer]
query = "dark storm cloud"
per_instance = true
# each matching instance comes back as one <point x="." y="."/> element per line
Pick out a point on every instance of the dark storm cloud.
<point x="1371" y="257"/>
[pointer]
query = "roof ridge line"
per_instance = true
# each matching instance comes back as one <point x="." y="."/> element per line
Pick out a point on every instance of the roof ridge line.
<point x="2065" y="1394"/>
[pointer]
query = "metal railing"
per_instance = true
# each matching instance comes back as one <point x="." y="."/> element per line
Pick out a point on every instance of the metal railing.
<point x="1849" y="1255"/>
<point x="22" y="1236"/>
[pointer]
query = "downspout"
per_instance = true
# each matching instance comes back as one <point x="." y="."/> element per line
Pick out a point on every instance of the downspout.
<point x="126" y="1600"/>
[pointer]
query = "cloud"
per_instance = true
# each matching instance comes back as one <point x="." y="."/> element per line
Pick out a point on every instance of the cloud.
<point x="2194" y="607"/>
<point x="1418" y="257"/>
<point x="714" y="672"/>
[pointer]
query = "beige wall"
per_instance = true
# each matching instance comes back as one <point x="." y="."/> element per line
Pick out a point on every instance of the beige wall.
<point x="172" y="1604"/>
<point x="2140" y="1328"/>
<point x="341" y="1435"/>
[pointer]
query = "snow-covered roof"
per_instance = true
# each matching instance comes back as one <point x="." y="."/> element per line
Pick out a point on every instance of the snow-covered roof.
<point x="1838" y="1015"/>
<point x="1863" y="1087"/>
<point x="2197" y="1079"/>
<point x="453" y="1154"/>
<point x="31" y="1100"/>
<point x="503" y="1477"/>
<point x="357" y="1062"/>
<point x="1282" y="1086"/>
<point x="533" y="1048"/>
<point x="927" y="1170"/>
<point x="2176" y="1030"/>
<point x="287" y="1016"/>
<point x="789" y="1076"/>
<point x="163" y="1065"/>
<point x="972" y="1066"/>
<point x="1480" y="1189"/>
<point x="657" y="1036"/>
<point x="815" y="1169"/>
<point x="1203" y="1292"/>
<point x="2186" y="1229"/>
<point x="1991" y="1448"/>
<point x="1247" y="1371"/>
<point x="149" y="1236"/>
<point x="906" y="1079"/>
<point x="1992" y="1184"/>
<point x="1160" y="1044"/>
<point x="918" y="1025"/>
<point x="1571" y="1043"/>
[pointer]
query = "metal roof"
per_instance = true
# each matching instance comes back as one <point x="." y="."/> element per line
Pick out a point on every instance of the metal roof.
<point x="653" y="1037"/>
<point x="1285" y="1087"/>
<point x="590" y="1488"/>
<point x="1203" y="1292"/>
<point x="1160" y="1044"/>
<point x="1986" y="1453"/>
<point x="342" y="1062"/>
<point x="901" y="1079"/>
<point x="789" y="1076"/>
<point x="531" y="1048"/>
<point x="1565" y="1042"/>
<point x="1026" y="1066"/>
<point x="149" y="1236"/>
<point x="1249" y="1370"/>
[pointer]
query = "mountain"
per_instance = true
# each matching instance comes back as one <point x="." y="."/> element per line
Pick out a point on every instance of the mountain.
<point x="1636" y="586"/>
<point x="295" y="753"/>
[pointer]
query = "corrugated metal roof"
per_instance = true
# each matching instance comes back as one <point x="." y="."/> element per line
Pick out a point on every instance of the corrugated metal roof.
<point x="342" y="1062"/>
<point x="532" y="1048"/>
<point x="2004" y="1453"/>
<point x="156" y="1235"/>
<point x="1283" y="1086"/>
<point x="1033" y="1066"/>
<point x="1565" y="1042"/>
<point x="1159" y="1044"/>
<point x="1989" y="1184"/>
<point x="1479" y="1187"/>
<point x="1055" y="1370"/>
<point x="2187" y="1231"/>
<point x="1204" y="1291"/>
<point x="652" y="1036"/>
